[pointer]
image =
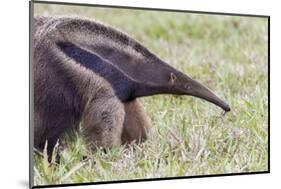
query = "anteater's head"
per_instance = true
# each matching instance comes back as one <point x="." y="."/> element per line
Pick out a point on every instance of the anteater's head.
<point x="184" y="85"/>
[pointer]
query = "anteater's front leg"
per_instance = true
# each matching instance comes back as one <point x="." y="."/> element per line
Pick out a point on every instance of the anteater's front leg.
<point x="102" y="122"/>
<point x="136" y="124"/>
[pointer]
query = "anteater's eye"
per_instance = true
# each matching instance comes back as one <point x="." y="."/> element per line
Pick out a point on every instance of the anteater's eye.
<point x="187" y="86"/>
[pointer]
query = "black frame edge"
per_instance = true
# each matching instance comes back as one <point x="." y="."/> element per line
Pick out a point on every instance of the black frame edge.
<point x="31" y="133"/>
<point x="147" y="8"/>
<point x="151" y="179"/>
<point x="268" y="54"/>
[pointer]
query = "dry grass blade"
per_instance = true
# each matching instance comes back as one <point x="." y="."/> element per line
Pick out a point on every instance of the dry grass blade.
<point x="74" y="169"/>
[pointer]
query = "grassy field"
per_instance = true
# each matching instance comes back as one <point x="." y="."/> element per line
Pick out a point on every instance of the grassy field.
<point x="189" y="136"/>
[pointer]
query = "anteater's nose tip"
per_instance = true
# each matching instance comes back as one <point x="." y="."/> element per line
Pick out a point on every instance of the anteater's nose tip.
<point x="227" y="108"/>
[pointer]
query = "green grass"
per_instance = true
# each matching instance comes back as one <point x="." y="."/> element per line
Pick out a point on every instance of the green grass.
<point x="189" y="136"/>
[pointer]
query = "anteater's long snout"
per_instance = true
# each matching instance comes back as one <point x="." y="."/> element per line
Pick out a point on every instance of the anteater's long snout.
<point x="199" y="90"/>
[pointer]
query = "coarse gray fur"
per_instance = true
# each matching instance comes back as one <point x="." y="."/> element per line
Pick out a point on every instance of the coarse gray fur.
<point x="66" y="94"/>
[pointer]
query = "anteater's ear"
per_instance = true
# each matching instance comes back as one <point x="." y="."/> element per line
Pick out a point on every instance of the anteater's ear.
<point x="173" y="78"/>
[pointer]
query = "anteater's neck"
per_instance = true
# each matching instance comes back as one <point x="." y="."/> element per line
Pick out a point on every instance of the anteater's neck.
<point x="125" y="87"/>
<point x="121" y="84"/>
<point x="119" y="49"/>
